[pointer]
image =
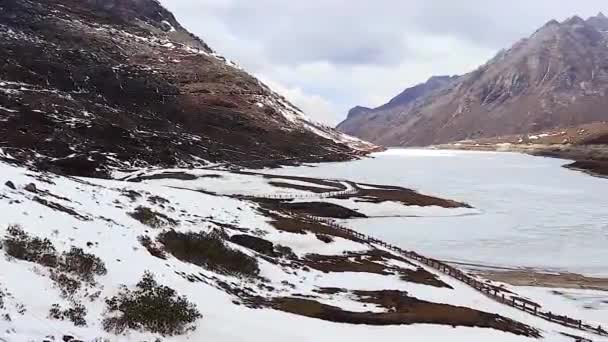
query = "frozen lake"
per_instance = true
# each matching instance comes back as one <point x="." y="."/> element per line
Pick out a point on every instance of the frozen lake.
<point x="534" y="213"/>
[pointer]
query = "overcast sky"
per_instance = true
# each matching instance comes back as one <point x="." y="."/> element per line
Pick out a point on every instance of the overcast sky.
<point x="327" y="56"/>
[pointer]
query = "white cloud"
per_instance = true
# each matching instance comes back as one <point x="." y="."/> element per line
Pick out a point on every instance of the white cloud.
<point x="329" y="55"/>
<point x="315" y="106"/>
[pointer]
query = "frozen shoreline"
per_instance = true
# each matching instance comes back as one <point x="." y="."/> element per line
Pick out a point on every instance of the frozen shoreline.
<point x="534" y="212"/>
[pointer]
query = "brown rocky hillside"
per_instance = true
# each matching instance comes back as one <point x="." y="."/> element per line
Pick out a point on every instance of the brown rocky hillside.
<point x="558" y="77"/>
<point x="91" y="85"/>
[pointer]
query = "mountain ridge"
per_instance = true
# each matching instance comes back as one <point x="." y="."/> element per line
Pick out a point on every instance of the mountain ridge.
<point x="91" y="86"/>
<point x="555" y="77"/>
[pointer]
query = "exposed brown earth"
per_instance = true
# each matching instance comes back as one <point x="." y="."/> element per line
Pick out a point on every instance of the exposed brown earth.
<point x="304" y="226"/>
<point x="593" y="167"/>
<point x="586" y="144"/>
<point x="319" y="209"/>
<point x="284" y="185"/>
<point x="374" y="193"/>
<point x="373" y="261"/>
<point x="403" y="310"/>
<point x="87" y="86"/>
<point x="384" y="193"/>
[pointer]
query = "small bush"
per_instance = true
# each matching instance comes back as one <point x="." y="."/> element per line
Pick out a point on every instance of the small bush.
<point x="76" y="314"/>
<point x="151" y="247"/>
<point x="67" y="270"/>
<point x="325" y="238"/>
<point x="152" y="218"/>
<point x="22" y="246"/>
<point x="83" y="265"/>
<point x="150" y="307"/>
<point x="66" y="284"/>
<point x="209" y="251"/>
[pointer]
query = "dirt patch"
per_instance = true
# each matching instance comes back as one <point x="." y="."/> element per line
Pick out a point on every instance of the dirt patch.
<point x="262" y="246"/>
<point x="300" y="187"/>
<point x="319" y="209"/>
<point x="373" y="261"/>
<point x="406" y="310"/>
<point x="304" y="226"/>
<point x="165" y="175"/>
<point x="61" y="208"/>
<point x="595" y="167"/>
<point x="385" y="193"/>
<point x="532" y="278"/>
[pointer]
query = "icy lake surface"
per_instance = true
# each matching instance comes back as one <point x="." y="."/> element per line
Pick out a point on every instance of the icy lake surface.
<point x="534" y="213"/>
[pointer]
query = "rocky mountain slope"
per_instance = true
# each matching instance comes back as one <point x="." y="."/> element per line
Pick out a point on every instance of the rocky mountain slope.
<point x="363" y="116"/>
<point x="558" y="77"/>
<point x="86" y="86"/>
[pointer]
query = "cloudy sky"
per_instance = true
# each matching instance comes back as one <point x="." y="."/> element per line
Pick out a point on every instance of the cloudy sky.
<point x="330" y="55"/>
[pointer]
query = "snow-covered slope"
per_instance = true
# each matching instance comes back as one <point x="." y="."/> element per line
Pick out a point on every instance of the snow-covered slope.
<point x="95" y="215"/>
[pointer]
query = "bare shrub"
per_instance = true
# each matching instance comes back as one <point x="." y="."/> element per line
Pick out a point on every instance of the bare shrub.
<point x="83" y="265"/>
<point x="76" y="314"/>
<point x="152" y="218"/>
<point x="152" y="247"/>
<point x="150" y="307"/>
<point x="66" y="284"/>
<point x="22" y="246"/>
<point x="209" y="251"/>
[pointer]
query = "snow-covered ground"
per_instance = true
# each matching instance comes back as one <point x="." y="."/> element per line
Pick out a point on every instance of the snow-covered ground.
<point x="103" y="227"/>
<point x="397" y="209"/>
<point x="225" y="183"/>
<point x="533" y="212"/>
<point x="588" y="305"/>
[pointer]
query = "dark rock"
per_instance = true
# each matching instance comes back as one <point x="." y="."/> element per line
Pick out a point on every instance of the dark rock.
<point x="325" y="238"/>
<point x="31" y="188"/>
<point x="10" y="185"/>
<point x="254" y="243"/>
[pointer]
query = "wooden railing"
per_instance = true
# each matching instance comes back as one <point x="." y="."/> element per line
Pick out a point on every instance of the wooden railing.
<point x="496" y="293"/>
<point x="304" y="196"/>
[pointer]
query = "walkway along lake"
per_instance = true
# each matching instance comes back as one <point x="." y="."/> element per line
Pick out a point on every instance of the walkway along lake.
<point x="532" y="212"/>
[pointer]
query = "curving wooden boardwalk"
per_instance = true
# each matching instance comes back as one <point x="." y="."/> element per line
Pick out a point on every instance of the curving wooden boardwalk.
<point x="496" y="293"/>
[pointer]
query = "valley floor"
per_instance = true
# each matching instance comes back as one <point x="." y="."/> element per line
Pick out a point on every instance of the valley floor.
<point x="248" y="250"/>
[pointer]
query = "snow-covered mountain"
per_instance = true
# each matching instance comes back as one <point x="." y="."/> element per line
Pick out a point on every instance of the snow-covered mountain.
<point x="558" y="77"/>
<point x="90" y="85"/>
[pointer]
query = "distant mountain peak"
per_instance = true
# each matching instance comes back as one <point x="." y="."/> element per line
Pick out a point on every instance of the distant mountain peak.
<point x="552" y="22"/>
<point x="554" y="78"/>
<point x="358" y="111"/>
<point x="600" y="22"/>
<point x="574" y="20"/>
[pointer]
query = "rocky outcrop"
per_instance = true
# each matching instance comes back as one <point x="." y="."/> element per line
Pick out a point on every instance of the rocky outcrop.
<point x="558" y="77"/>
<point x="90" y="86"/>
